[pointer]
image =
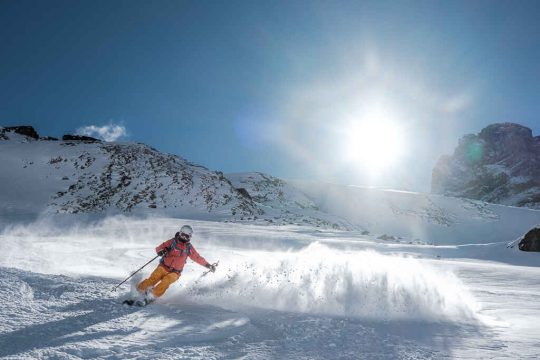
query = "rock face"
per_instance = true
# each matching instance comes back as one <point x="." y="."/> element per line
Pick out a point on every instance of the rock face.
<point x="69" y="137"/>
<point x="531" y="241"/>
<point x="501" y="165"/>
<point x="25" y="130"/>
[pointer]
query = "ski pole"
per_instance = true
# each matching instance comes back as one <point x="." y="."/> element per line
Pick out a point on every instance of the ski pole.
<point x="139" y="269"/>
<point x="207" y="271"/>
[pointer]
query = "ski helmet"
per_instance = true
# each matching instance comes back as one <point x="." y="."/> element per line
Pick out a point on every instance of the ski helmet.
<point x="186" y="230"/>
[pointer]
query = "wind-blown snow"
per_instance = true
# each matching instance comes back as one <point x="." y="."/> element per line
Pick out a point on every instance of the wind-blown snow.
<point x="279" y="292"/>
<point x="322" y="280"/>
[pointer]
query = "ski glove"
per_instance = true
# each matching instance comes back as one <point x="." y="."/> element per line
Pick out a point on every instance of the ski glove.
<point x="211" y="267"/>
<point x="162" y="252"/>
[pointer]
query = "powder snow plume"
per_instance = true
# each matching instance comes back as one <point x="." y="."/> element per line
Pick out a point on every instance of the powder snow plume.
<point x="321" y="280"/>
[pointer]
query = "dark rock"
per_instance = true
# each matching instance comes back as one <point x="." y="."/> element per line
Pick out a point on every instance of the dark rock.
<point x="69" y="137"/>
<point x="386" y="237"/>
<point x="48" y="138"/>
<point x="23" y="130"/>
<point x="501" y="164"/>
<point x="531" y="241"/>
<point x="510" y="139"/>
<point x="244" y="193"/>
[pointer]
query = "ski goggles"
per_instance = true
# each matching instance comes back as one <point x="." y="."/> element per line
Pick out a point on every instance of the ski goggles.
<point x="185" y="236"/>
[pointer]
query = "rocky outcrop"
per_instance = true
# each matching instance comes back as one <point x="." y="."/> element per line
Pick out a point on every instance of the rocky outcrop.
<point x="21" y="130"/>
<point x="531" y="241"/>
<point x="244" y="193"/>
<point x="501" y="164"/>
<point x="69" y="137"/>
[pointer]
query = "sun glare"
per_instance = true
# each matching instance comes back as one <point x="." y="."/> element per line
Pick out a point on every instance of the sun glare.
<point x="374" y="144"/>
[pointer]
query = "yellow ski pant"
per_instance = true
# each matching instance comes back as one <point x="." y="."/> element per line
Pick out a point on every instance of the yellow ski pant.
<point x="161" y="275"/>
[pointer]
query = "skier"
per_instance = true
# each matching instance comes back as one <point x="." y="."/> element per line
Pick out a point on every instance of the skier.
<point x="174" y="253"/>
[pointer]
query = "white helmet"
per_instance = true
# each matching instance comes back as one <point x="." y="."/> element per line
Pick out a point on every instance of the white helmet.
<point x="186" y="230"/>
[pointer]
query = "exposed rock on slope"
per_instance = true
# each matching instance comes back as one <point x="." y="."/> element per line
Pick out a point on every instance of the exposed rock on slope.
<point x="530" y="241"/>
<point x="25" y="130"/>
<point x="501" y="164"/>
<point x="69" y="137"/>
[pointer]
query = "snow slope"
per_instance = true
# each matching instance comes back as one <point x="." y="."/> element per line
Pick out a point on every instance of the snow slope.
<point x="94" y="177"/>
<point x="279" y="292"/>
<point x="431" y="219"/>
<point x="281" y="201"/>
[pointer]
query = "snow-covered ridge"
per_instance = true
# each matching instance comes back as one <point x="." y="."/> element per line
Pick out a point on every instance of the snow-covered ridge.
<point x="75" y="176"/>
<point x="82" y="175"/>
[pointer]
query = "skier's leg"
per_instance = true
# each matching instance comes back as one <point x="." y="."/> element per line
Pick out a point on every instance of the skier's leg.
<point x="154" y="278"/>
<point x="164" y="284"/>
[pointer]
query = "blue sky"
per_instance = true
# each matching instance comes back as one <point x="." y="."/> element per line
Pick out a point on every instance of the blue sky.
<point x="274" y="86"/>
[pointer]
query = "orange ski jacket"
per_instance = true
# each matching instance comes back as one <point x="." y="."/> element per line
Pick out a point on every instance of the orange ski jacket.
<point x="176" y="258"/>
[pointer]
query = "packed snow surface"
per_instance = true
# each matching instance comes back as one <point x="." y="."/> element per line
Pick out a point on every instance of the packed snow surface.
<point x="279" y="292"/>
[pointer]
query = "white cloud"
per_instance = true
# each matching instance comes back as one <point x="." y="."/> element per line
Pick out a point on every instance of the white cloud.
<point x="109" y="132"/>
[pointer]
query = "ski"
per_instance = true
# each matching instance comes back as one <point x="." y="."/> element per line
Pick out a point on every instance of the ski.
<point x="139" y="303"/>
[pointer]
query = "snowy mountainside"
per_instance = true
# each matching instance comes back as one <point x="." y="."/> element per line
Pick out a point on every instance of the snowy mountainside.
<point x="93" y="177"/>
<point x="414" y="217"/>
<point x="281" y="200"/>
<point x="389" y="215"/>
<point x="82" y="175"/>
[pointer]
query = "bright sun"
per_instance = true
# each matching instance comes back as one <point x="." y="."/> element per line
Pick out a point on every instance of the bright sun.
<point x="375" y="144"/>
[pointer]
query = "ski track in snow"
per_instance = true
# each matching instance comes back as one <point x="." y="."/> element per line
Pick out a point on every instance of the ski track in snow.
<point x="279" y="293"/>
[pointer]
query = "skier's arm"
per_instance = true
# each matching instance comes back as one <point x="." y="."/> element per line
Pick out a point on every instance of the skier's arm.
<point x="164" y="247"/>
<point x="194" y="255"/>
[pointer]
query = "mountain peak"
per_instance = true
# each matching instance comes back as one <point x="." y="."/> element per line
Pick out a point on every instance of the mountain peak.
<point x="500" y="164"/>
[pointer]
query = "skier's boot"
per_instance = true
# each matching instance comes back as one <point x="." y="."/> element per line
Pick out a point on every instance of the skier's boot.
<point x="148" y="298"/>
